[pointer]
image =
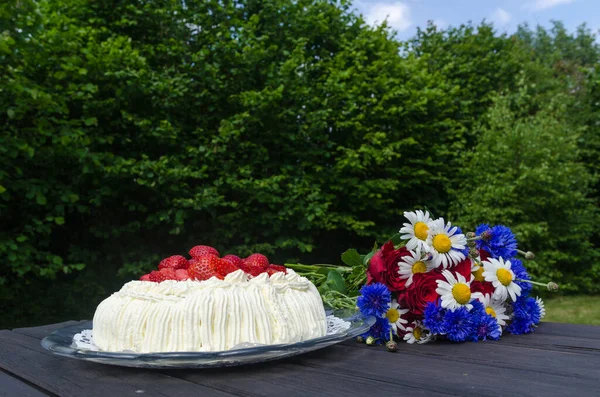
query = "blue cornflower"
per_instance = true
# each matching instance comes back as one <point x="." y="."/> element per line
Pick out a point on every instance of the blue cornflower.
<point x="486" y="327"/>
<point x="374" y="300"/>
<point x="498" y="240"/>
<point x="520" y="326"/>
<point x="526" y="314"/>
<point x="477" y="308"/>
<point x="434" y="318"/>
<point x="520" y="273"/>
<point x="380" y="330"/>
<point x="458" y="324"/>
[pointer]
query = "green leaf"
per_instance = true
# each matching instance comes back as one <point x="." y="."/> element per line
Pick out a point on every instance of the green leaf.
<point x="59" y="220"/>
<point x="40" y="198"/>
<point x="336" y="282"/>
<point x="2" y="189"/>
<point x="395" y="239"/>
<point x="352" y="258"/>
<point x="367" y="258"/>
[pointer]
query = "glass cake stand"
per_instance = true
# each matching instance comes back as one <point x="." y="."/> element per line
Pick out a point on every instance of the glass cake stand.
<point x="61" y="342"/>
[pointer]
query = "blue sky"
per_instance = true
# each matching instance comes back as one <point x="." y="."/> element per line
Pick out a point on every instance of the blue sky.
<point x="406" y="15"/>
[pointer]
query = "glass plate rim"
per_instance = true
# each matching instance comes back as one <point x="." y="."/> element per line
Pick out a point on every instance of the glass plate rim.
<point x="55" y="344"/>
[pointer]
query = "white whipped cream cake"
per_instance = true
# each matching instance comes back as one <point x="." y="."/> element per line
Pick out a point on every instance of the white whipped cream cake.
<point x="210" y="315"/>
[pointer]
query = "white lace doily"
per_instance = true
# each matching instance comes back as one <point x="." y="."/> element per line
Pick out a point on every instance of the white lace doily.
<point x="85" y="339"/>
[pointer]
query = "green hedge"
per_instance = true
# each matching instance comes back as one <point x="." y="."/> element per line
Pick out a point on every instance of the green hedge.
<point x="134" y="130"/>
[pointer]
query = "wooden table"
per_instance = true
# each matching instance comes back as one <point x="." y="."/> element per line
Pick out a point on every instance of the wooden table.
<point x="558" y="360"/>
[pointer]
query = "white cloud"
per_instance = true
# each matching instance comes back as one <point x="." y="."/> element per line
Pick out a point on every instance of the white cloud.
<point x="545" y="4"/>
<point x="396" y="13"/>
<point x="500" y="17"/>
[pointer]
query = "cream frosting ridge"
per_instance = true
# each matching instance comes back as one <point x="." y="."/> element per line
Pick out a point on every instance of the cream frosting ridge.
<point x="211" y="315"/>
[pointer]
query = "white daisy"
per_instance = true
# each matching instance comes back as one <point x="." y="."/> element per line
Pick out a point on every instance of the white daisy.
<point x="413" y="264"/>
<point x="417" y="333"/>
<point x="444" y="243"/>
<point x="455" y="291"/>
<point x="494" y="308"/>
<point x="416" y="230"/>
<point x="540" y="304"/>
<point x="500" y="274"/>
<point x="394" y="315"/>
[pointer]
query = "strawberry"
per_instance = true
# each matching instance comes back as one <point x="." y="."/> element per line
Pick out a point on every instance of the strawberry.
<point x="157" y="276"/>
<point x="255" y="264"/>
<point x="173" y="262"/>
<point x="223" y="267"/>
<point x="201" y="268"/>
<point x="233" y="259"/>
<point x="145" y="277"/>
<point x="182" y="274"/>
<point x="169" y="273"/>
<point x="201" y="250"/>
<point x="272" y="269"/>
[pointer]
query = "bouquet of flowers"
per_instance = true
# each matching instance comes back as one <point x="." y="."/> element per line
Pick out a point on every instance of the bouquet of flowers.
<point x="433" y="281"/>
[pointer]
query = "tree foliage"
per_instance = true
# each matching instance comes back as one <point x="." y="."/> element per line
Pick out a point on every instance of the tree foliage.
<point x="525" y="171"/>
<point x="133" y="130"/>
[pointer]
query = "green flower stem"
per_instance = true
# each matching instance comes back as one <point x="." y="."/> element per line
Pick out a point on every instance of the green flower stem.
<point x="551" y="286"/>
<point x="337" y="300"/>
<point x="316" y="267"/>
<point x="528" y="255"/>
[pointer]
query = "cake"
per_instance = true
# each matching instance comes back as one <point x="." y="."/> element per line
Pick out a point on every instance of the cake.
<point x="216" y="314"/>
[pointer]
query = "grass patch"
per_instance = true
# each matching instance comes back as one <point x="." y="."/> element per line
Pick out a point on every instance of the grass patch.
<point x="573" y="309"/>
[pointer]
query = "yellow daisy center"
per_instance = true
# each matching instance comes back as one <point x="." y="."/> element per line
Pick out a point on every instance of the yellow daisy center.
<point x="489" y="310"/>
<point x="461" y="293"/>
<point x="504" y="276"/>
<point x="421" y="230"/>
<point x="419" y="267"/>
<point x="417" y="333"/>
<point x="442" y="243"/>
<point x="478" y="274"/>
<point x="392" y="315"/>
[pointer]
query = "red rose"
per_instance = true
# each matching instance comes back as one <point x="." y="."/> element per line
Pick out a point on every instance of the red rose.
<point x="464" y="268"/>
<point x="484" y="255"/>
<point x="383" y="267"/>
<point x="422" y="291"/>
<point x="484" y="287"/>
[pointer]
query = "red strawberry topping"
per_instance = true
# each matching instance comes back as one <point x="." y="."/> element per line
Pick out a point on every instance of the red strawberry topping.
<point x="201" y="268"/>
<point x="233" y="259"/>
<point x="272" y="269"/>
<point x="174" y="262"/>
<point x="255" y="264"/>
<point x="157" y="276"/>
<point x="223" y="267"/>
<point x="201" y="250"/>
<point x="145" y="277"/>
<point x="169" y="273"/>
<point x="181" y="275"/>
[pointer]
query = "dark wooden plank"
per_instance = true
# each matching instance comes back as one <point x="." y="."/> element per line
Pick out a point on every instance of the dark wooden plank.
<point x="521" y="375"/>
<point x="581" y="364"/>
<point x="554" y="342"/>
<point x="571" y="330"/>
<point x="536" y="341"/>
<point x="44" y="330"/>
<point x="291" y="378"/>
<point x="13" y="387"/>
<point x="24" y="356"/>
